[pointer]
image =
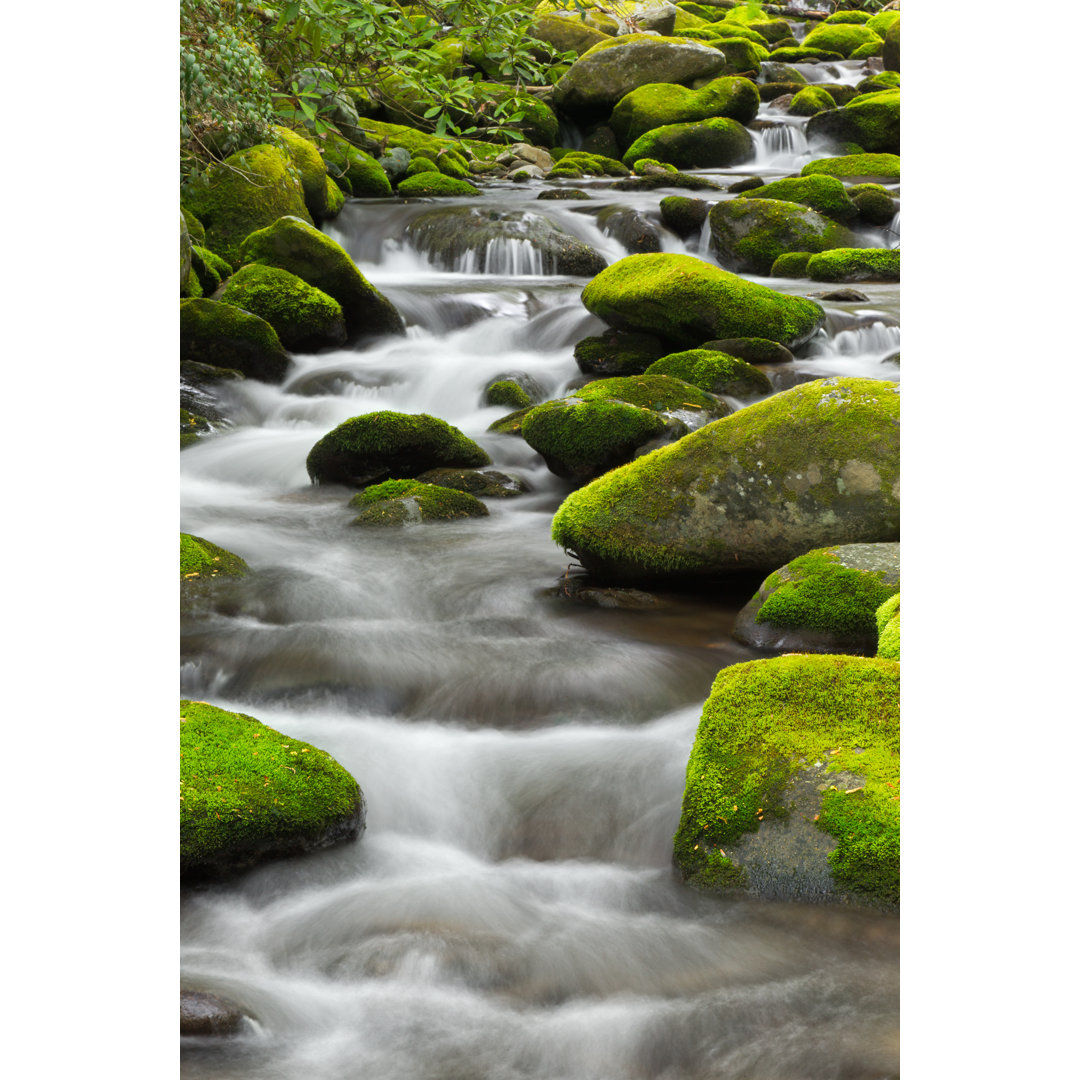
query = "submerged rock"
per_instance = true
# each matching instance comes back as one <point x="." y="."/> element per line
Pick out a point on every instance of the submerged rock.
<point x="824" y="601"/>
<point x="207" y="1014"/>
<point x="250" y="793"/>
<point x="792" y="786"/>
<point x="817" y="464"/>
<point x="687" y="301"/>
<point x="380" y="445"/>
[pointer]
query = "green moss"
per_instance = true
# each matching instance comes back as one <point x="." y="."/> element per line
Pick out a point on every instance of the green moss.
<point x="194" y="227"/>
<point x="210" y="269"/>
<point x="817" y="592"/>
<point x="309" y="166"/>
<point x="751" y="233"/>
<point x="790" y="264"/>
<point x="864" y="52"/>
<point x="887" y="618"/>
<point x="420" y="142"/>
<point x="618" y="353"/>
<point x="370" y="448"/>
<point x="658" y="104"/>
<point x="248" y="791"/>
<point x="851" y="18"/>
<point x="855" y="166"/>
<point x="224" y="336"/>
<point x="421" y="165"/>
<point x="841" y="38"/>
<point x="870" y="120"/>
<point x="192" y="427"/>
<point x="659" y="392"/>
<point x="511" y="423"/>
<point x="435" y="185"/>
<point x="742" y="55"/>
<point x="575" y="164"/>
<point x="201" y="559"/>
<point x="429" y="501"/>
<point x="876" y="206"/>
<point x="304" y="317"/>
<point x="585" y="439"/>
<point x="764" y="722"/>
<point x="248" y="191"/>
<point x="682" y="215"/>
<point x="883" y="80"/>
<point x="716" y="143"/>
<point x="192" y="288"/>
<point x="798" y="54"/>
<point x="507" y="392"/>
<point x="450" y="163"/>
<point x="358" y="172"/>
<point x="644" y="166"/>
<point x="825" y="194"/>
<point x="811" y="100"/>
<point x="714" y="372"/>
<point x="855" y="264"/>
<point x="688" y="301"/>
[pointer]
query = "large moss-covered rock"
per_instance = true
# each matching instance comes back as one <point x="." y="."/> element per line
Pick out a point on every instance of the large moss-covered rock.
<point x="606" y="422"/>
<point x="811" y="100"/>
<point x="887" y="618"/>
<point x="294" y="245"/>
<point x="658" y="104"/>
<point x="824" y="601"/>
<point x="855" y="167"/>
<point x="748" y="234"/>
<point x="871" y="121"/>
<point x="611" y="69"/>
<point x="716" y="143"/>
<point x="395" y="503"/>
<point x="825" y="194"/>
<point x="875" y="205"/>
<point x="814" y="465"/>
<point x="687" y="301"/>
<point x="843" y="38"/>
<point x="250" y="793"/>
<point x="447" y="234"/>
<point x="855" y="264"/>
<point x="435" y="185"/>
<point x="714" y="372"/>
<point x="793" y="783"/>
<point x="249" y="190"/>
<point x="225" y="336"/>
<point x="308" y="162"/>
<point x="567" y="32"/>
<point x="305" y="318"/>
<point x="377" y="446"/>
<point x="683" y="216"/>
<point x="890" y="51"/>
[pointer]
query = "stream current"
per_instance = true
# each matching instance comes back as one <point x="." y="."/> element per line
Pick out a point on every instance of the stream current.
<point x="510" y="912"/>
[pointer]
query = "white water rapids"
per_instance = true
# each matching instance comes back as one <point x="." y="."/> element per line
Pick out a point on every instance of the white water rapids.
<point x="510" y="912"/>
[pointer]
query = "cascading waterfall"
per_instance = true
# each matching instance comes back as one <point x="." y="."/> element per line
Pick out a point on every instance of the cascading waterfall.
<point x="510" y="912"/>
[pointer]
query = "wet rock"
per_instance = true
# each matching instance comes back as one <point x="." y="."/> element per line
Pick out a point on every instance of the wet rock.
<point x="567" y="32"/>
<point x="515" y="389"/>
<point x="824" y="601"/>
<point x="601" y="140"/>
<point x="752" y="350"/>
<point x="564" y="193"/>
<point x="207" y="1014"/>
<point x="855" y="264"/>
<point x="395" y="503"/>
<point x="749" y="184"/>
<point x="219" y="335"/>
<point x="483" y="483"/>
<point x="748" y="235"/>
<point x="793" y="783"/>
<point x="578" y="589"/>
<point x="534" y="155"/>
<point x="814" y="465"/>
<point x="618" y="353"/>
<point x="683" y="216"/>
<point x="717" y="143"/>
<point x="824" y="194"/>
<point x="842" y="296"/>
<point x="447" y="235"/>
<point x="395" y="163"/>
<point x="630" y="227"/>
<point x="871" y="121"/>
<point x="715" y="372"/>
<point x="250" y="793"/>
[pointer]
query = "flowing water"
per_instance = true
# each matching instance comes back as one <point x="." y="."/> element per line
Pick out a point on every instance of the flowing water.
<point x="510" y="912"/>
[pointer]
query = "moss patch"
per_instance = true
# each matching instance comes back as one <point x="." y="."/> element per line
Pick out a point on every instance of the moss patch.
<point x="435" y="185"/>
<point x="887" y="618"/>
<point x="420" y="502"/>
<point x="855" y="264"/>
<point x="249" y="793"/>
<point x="856" y="167"/>
<point x="825" y="194"/>
<point x="715" y="372"/>
<point x="766" y="721"/>
<point x="201" y="559"/>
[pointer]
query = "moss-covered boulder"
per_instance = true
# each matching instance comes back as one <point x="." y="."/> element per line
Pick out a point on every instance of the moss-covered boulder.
<point x="210" y="269"/>
<point x="817" y="464"/>
<point x="825" y="194"/>
<point x="491" y="238"/>
<point x="792" y="264"/>
<point x="377" y="446"/>
<point x="226" y="336"/>
<point x="887" y="618"/>
<point x="308" y="163"/>
<point x="659" y="104"/>
<point x="507" y="392"/>
<point x="687" y="301"/>
<point x="618" y="353"/>
<point x="871" y="121"/>
<point x="890" y="50"/>
<point x="294" y="245"/>
<point x="630" y="227"/>
<point x="742" y="55"/>
<point x="607" y="422"/>
<point x="714" y="372"/>
<point x="824" y="601"/>
<point x="611" y="69"/>
<point x="305" y="318"/>
<point x="842" y="38"/>
<point x="429" y="185"/>
<point x="792" y="787"/>
<point x="683" y="216"/>
<point x="567" y="32"/>
<point x="407" y="502"/>
<point x="754" y="350"/>
<point x="875" y="205"/>
<point x="357" y="172"/>
<point x="249" y="190"/>
<point x="576" y="164"/>
<point x="483" y="483"/>
<point x="855" y="264"/>
<point x="204" y="568"/>
<point x="856" y="167"/>
<point x="716" y="143"/>
<point x="748" y="234"/>
<point x="249" y="793"/>
<point x="811" y="100"/>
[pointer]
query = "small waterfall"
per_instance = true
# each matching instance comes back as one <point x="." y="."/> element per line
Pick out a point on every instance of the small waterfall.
<point x="780" y="146"/>
<point x="892" y="232"/>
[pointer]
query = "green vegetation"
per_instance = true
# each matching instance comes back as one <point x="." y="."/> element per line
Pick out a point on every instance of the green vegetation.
<point x="825" y="194"/>
<point x="397" y="502"/>
<point x="715" y="372"/>
<point x="225" y="336"/>
<point x="249" y="792"/>
<point x="856" y="166"/>
<point x="855" y="264"/>
<point x="790" y="264"/>
<point x="201" y="559"/>
<point x="843" y="38"/>
<point x="435" y="185"/>
<point x="704" y="144"/>
<point x="811" y="100"/>
<point x="887" y="618"/>
<point x="767" y="720"/>
<point x="507" y="392"/>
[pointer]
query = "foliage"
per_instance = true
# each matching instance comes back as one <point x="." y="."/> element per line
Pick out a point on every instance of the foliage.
<point x="245" y="68"/>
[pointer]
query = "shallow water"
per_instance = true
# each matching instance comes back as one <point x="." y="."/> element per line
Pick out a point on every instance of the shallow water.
<point x="510" y="911"/>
